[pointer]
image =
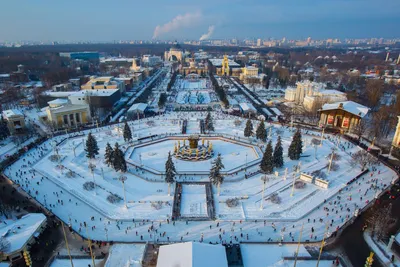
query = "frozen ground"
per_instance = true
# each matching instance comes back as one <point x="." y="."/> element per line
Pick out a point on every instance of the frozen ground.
<point x="125" y="255"/>
<point x="154" y="156"/>
<point x="149" y="204"/>
<point x="77" y="262"/>
<point x="194" y="203"/>
<point x="254" y="255"/>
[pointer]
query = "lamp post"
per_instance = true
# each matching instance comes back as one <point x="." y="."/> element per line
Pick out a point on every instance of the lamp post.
<point x="92" y="166"/>
<point x="245" y="169"/>
<point x="123" y="178"/>
<point x="264" y="180"/>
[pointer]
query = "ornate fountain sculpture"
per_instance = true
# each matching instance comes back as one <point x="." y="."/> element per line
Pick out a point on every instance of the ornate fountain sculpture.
<point x="193" y="151"/>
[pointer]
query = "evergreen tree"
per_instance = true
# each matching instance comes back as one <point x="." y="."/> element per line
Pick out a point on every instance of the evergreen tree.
<point x="296" y="146"/>
<point x="278" y="154"/>
<point x="109" y="155"/>
<point x="4" y="131"/>
<point x="248" y="130"/>
<point x="127" y="132"/>
<point x="92" y="148"/>
<point x="260" y="132"/>
<point x="215" y="173"/>
<point x="119" y="162"/>
<point x="209" y="125"/>
<point x="267" y="163"/>
<point x="170" y="171"/>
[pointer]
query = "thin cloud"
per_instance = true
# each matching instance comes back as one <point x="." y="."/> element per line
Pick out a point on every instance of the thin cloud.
<point x="208" y="34"/>
<point x="179" y="22"/>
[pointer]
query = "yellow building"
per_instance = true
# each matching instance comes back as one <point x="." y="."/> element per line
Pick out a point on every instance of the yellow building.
<point x="193" y="68"/>
<point x="225" y="67"/>
<point x="106" y="82"/>
<point x="250" y="72"/>
<point x="175" y="53"/>
<point x="396" y="138"/>
<point x="62" y="114"/>
<point x="15" y="120"/>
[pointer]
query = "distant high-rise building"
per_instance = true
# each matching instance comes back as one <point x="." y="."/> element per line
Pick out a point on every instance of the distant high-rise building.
<point x="258" y="42"/>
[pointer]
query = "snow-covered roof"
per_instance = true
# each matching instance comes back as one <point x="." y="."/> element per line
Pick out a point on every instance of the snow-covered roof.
<point x="95" y="92"/>
<point x="139" y="106"/>
<point x="217" y="62"/>
<point x="192" y="254"/>
<point x="247" y="107"/>
<point x="20" y="231"/>
<point x="349" y="106"/>
<point x="331" y="92"/>
<point x="11" y="113"/>
<point x="58" y="101"/>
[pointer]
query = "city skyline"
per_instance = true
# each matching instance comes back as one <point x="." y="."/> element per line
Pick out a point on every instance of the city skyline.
<point x="99" y="21"/>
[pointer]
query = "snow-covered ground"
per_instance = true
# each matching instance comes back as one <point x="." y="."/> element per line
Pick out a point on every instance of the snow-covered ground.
<point x="76" y="262"/>
<point x="125" y="255"/>
<point x="154" y="155"/>
<point x="194" y="202"/>
<point x="255" y="255"/>
<point x="147" y="194"/>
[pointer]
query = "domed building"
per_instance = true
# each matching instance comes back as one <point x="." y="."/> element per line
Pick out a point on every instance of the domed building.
<point x="175" y="53"/>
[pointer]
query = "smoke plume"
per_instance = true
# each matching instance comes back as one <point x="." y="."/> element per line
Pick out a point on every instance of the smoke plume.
<point x="208" y="34"/>
<point x="176" y="23"/>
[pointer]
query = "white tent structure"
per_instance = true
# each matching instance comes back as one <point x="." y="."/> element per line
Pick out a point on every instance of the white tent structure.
<point x="192" y="254"/>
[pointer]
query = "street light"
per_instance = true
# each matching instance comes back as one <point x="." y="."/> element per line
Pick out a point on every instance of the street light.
<point x="123" y="178"/>
<point x="92" y="166"/>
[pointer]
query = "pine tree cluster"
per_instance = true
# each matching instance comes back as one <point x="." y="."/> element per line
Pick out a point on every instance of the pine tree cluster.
<point x="296" y="146"/>
<point x="215" y="173"/>
<point x="92" y="149"/>
<point x="4" y="131"/>
<point x="272" y="158"/>
<point x="260" y="132"/>
<point x="127" y="133"/>
<point x="248" y="130"/>
<point x="115" y="158"/>
<point x="170" y="170"/>
<point x="208" y="123"/>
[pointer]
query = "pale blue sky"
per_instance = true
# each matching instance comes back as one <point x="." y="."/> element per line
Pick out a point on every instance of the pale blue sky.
<point x="102" y="20"/>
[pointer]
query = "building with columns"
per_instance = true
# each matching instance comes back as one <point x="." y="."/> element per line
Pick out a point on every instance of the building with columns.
<point x="396" y="138"/>
<point x="343" y="116"/>
<point x="15" y="120"/>
<point x="62" y="114"/>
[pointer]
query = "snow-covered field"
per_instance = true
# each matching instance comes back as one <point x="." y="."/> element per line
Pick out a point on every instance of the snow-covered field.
<point x="194" y="202"/>
<point x="125" y="255"/>
<point x="154" y="155"/>
<point x="148" y="203"/>
<point x="254" y="255"/>
<point x="76" y="262"/>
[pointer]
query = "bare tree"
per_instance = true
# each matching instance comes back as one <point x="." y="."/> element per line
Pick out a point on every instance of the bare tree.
<point x="360" y="129"/>
<point x="374" y="92"/>
<point x="363" y="158"/>
<point x="383" y="122"/>
<point x="380" y="221"/>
